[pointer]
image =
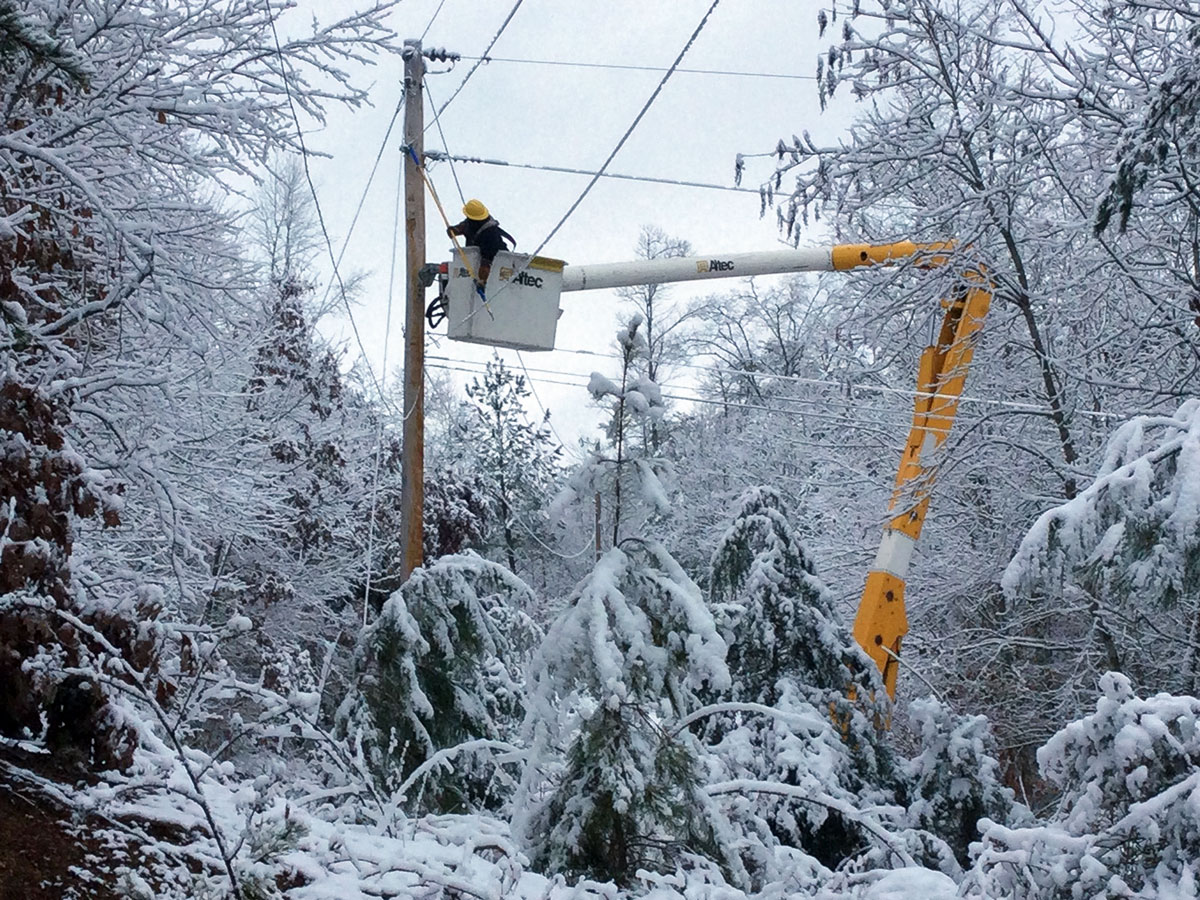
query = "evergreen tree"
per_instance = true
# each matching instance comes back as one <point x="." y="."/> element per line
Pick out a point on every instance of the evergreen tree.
<point x="443" y="665"/>
<point x="627" y="475"/>
<point x="517" y="459"/>
<point x="1127" y="823"/>
<point x="790" y="653"/>
<point x="954" y="782"/>
<point x="619" y="669"/>
<point x="1117" y="569"/>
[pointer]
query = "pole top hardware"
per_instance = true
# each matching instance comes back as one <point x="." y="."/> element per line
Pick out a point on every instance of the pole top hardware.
<point x="441" y="54"/>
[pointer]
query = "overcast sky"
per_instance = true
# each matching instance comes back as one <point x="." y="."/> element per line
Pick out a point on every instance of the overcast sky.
<point x="572" y="116"/>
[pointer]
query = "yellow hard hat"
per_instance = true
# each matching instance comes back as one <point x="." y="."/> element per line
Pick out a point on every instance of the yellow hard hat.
<point x="475" y="210"/>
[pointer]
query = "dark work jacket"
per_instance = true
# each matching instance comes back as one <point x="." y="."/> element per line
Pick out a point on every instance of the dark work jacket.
<point x="487" y="235"/>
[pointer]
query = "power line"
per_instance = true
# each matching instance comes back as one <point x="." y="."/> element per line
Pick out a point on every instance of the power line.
<point x="478" y="62"/>
<point x="592" y="65"/>
<point x="437" y="120"/>
<point x="791" y="411"/>
<point x="625" y="137"/>
<point x="433" y="19"/>
<point x="872" y="388"/>
<point x="363" y="198"/>
<point x="794" y="401"/>
<point x="283" y="71"/>
<point x="446" y="157"/>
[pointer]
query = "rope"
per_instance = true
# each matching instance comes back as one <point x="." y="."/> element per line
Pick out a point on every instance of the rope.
<point x="387" y="331"/>
<point x="454" y="237"/>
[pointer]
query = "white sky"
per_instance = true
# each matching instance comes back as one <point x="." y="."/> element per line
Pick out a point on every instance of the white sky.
<point x="573" y="117"/>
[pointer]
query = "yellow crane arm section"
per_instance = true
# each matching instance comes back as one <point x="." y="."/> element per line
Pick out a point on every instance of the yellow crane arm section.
<point x="881" y="622"/>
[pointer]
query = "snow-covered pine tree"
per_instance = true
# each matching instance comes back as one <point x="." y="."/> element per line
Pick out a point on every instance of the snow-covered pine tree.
<point x="778" y="614"/>
<point x="790" y="653"/>
<point x="628" y="480"/>
<point x="954" y="781"/>
<point x="616" y="674"/>
<point x="1127" y="823"/>
<point x="517" y="459"/>
<point x="442" y="667"/>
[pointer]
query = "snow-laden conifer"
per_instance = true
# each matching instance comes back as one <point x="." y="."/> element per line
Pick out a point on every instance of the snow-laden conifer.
<point x="1120" y="563"/>
<point x="619" y="670"/>
<point x="442" y="674"/>
<point x="787" y="717"/>
<point x="616" y="673"/>
<point x="1128" y="820"/>
<point x="954" y="781"/>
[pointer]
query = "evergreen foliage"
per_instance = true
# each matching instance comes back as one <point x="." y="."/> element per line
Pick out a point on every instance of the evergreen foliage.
<point x="954" y="782"/>
<point x="517" y="460"/>
<point x="1127" y="547"/>
<point x="443" y="665"/>
<point x="789" y="651"/>
<point x="617" y="671"/>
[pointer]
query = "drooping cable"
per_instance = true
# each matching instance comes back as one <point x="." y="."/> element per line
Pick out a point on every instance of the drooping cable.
<point x="387" y="332"/>
<point x="283" y="71"/>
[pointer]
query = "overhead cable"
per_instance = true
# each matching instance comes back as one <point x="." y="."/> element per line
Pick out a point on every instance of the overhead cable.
<point x="438" y="156"/>
<point x="790" y="411"/>
<point x="432" y="19"/>
<point x="478" y="62"/>
<point x="682" y="71"/>
<point x="860" y="386"/>
<point x="625" y="137"/>
<point x="283" y="71"/>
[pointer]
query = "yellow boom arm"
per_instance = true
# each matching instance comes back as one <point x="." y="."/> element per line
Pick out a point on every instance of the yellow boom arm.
<point x="881" y="622"/>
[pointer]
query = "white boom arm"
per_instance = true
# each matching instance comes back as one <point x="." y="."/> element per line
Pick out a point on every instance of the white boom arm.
<point x="744" y="265"/>
<point x="695" y="268"/>
<point x="521" y="310"/>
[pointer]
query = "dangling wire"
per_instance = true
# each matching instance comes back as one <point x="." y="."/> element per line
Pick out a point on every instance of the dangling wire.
<point x="387" y="332"/>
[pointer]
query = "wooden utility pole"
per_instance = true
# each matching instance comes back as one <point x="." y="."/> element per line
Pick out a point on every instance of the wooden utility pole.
<point x="412" y="494"/>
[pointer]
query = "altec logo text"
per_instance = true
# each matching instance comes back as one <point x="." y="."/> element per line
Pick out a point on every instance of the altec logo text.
<point x="714" y="265"/>
<point x="528" y="280"/>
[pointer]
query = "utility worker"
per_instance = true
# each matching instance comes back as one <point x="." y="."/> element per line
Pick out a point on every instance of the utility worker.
<point x="482" y="231"/>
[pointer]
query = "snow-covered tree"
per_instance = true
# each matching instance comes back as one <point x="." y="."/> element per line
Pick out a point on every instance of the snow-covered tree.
<point x="517" y="459"/>
<point x="1119" y="567"/>
<point x="124" y="304"/>
<point x="954" y="781"/>
<point x="440" y="668"/>
<point x="628" y="480"/>
<point x="666" y="343"/>
<point x="616" y="673"/>
<point x="1127" y="823"/>
<point x="799" y="710"/>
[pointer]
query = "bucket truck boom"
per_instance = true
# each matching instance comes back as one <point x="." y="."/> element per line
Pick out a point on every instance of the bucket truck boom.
<point x="522" y="310"/>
